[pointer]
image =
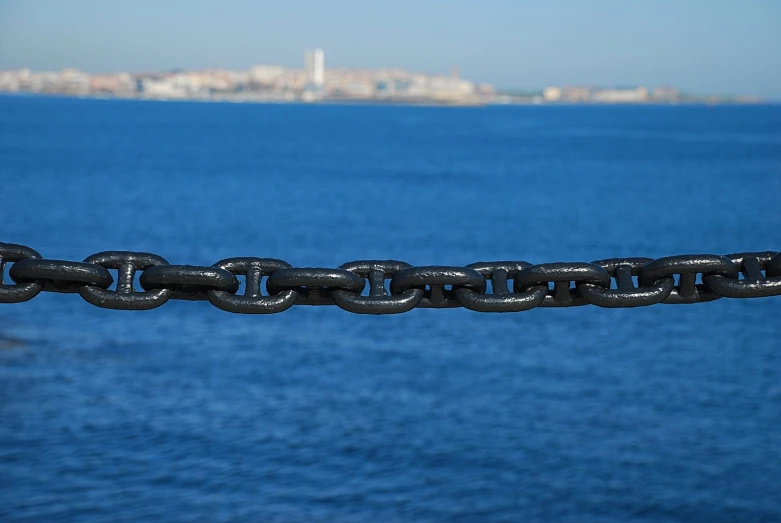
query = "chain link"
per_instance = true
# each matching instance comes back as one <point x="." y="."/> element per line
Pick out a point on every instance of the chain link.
<point x="688" y="267"/>
<point x="393" y="286"/>
<point x="378" y="301"/>
<point x="125" y="297"/>
<point x="626" y="294"/>
<point x="501" y="300"/>
<point x="10" y="252"/>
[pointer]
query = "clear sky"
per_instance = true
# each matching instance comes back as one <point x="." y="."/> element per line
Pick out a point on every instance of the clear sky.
<point x="703" y="46"/>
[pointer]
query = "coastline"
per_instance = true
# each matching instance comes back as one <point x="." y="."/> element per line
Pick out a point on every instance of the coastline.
<point x="693" y="101"/>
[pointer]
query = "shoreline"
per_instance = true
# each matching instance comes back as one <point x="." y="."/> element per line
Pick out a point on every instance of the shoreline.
<point x="397" y="102"/>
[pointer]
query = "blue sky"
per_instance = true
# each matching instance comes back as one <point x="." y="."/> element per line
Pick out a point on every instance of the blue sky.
<point x="703" y="46"/>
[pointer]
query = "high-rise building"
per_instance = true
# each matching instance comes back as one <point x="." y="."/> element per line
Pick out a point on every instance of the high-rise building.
<point x="314" y="65"/>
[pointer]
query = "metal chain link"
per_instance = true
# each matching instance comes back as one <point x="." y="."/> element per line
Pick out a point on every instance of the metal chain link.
<point x="393" y="286"/>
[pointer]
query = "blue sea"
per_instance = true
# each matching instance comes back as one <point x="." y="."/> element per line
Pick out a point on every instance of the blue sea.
<point x="187" y="413"/>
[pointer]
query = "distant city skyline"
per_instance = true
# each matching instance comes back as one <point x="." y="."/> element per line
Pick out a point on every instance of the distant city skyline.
<point x="315" y="83"/>
<point x="700" y="46"/>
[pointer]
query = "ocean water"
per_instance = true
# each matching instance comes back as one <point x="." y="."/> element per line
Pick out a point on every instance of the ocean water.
<point x="188" y="413"/>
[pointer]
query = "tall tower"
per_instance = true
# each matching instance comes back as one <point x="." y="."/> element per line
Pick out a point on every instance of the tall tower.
<point x="314" y="65"/>
<point x="319" y="70"/>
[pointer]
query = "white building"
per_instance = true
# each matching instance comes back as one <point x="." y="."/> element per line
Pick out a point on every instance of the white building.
<point x="551" y="94"/>
<point x="314" y="64"/>
<point x="636" y="95"/>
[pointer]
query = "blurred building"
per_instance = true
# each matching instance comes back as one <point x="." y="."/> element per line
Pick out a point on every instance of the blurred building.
<point x="73" y="81"/>
<point x="121" y="84"/>
<point x="9" y="81"/>
<point x="665" y="94"/>
<point x="314" y="65"/>
<point x="551" y="94"/>
<point x="486" y="90"/>
<point x="576" y="94"/>
<point x="629" y="95"/>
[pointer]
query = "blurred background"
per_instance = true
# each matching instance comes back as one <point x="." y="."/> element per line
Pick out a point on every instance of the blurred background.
<point x="428" y="132"/>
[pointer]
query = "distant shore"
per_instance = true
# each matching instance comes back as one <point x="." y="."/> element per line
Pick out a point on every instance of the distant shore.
<point x="315" y="84"/>
<point x="693" y="101"/>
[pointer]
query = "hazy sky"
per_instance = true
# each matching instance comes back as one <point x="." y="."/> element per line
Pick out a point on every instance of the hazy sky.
<point x="705" y="46"/>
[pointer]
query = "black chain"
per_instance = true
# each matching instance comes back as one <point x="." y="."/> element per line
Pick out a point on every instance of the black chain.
<point x="618" y="282"/>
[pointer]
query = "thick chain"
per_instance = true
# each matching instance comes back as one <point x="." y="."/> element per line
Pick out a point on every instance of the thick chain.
<point x="514" y="285"/>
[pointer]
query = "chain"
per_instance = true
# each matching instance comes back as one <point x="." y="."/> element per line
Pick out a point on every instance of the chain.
<point x="393" y="286"/>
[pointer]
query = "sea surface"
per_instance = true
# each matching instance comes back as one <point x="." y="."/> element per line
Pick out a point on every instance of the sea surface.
<point x="187" y="413"/>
